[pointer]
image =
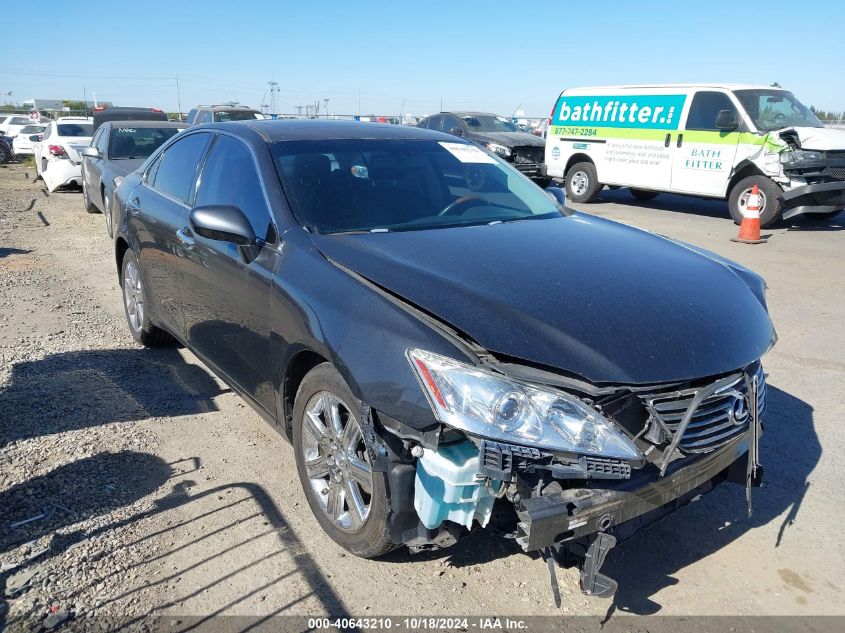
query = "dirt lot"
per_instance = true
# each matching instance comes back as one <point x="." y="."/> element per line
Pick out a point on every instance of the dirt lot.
<point x="151" y="488"/>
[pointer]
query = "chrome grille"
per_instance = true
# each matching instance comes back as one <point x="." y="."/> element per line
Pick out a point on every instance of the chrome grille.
<point x="528" y="154"/>
<point x="717" y="420"/>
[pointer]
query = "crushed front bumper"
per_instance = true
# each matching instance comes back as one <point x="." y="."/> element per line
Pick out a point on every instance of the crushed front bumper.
<point x="573" y="513"/>
<point x="823" y="197"/>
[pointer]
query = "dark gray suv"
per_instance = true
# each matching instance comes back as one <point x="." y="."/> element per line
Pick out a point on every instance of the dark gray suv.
<point x="221" y="114"/>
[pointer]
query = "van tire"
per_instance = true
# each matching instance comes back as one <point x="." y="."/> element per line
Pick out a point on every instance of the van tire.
<point x="769" y="190"/>
<point x="582" y="183"/>
<point x="643" y="194"/>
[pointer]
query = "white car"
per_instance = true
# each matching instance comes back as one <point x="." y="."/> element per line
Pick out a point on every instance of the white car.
<point x="12" y="124"/>
<point x="57" y="158"/>
<point x="27" y="138"/>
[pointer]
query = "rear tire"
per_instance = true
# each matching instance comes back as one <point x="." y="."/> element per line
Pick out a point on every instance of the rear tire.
<point x="581" y="182"/>
<point x="86" y="199"/>
<point x="134" y="305"/>
<point x="644" y="195"/>
<point x="770" y="211"/>
<point x="322" y="388"/>
<point x="542" y="182"/>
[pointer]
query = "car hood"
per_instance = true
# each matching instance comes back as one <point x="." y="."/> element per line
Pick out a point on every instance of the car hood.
<point x="123" y="166"/>
<point x="819" y="138"/>
<point x="508" y="139"/>
<point x="588" y="296"/>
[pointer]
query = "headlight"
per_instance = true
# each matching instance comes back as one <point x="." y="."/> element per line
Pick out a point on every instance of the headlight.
<point x="800" y="156"/>
<point x="487" y="405"/>
<point x="501" y="150"/>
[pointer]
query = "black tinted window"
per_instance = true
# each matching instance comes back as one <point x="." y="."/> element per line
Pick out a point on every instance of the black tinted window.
<point x="450" y="123"/>
<point x="75" y="129"/>
<point x="204" y="116"/>
<point x="434" y="123"/>
<point x="705" y="108"/>
<point x="230" y="178"/>
<point x="234" y="115"/>
<point x="138" y="142"/>
<point x="178" y="167"/>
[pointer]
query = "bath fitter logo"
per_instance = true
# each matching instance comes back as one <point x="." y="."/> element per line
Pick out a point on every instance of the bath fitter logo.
<point x="661" y="112"/>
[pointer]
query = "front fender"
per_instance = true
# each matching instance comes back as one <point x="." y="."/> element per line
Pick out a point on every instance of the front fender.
<point x="318" y="306"/>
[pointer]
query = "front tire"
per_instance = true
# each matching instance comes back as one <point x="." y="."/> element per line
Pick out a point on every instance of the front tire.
<point x="135" y="305"/>
<point x="770" y="207"/>
<point x="348" y="499"/>
<point x="582" y="183"/>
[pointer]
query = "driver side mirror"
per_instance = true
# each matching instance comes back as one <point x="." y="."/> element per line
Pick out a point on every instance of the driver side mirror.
<point x="726" y="120"/>
<point x="557" y="194"/>
<point x="90" y="152"/>
<point x="224" y="223"/>
<point x="456" y="131"/>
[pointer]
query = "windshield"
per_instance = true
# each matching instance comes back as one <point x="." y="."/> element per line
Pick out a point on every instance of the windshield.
<point x="75" y="129"/>
<point x="236" y="115"/>
<point x="400" y="185"/>
<point x="138" y="142"/>
<point x="776" y="109"/>
<point x="487" y="123"/>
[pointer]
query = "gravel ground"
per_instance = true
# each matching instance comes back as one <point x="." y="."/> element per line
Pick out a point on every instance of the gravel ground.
<point x="133" y="482"/>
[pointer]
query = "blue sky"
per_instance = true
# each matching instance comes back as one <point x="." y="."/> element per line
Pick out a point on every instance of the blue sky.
<point x="491" y="55"/>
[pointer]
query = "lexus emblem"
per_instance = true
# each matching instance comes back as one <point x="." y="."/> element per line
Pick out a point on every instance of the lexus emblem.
<point x="738" y="413"/>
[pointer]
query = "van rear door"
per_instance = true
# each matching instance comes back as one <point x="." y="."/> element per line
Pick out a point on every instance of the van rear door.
<point x="703" y="156"/>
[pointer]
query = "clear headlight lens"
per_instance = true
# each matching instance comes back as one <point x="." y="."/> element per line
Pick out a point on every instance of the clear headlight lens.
<point x="800" y="156"/>
<point x="487" y="405"/>
<point x="501" y="150"/>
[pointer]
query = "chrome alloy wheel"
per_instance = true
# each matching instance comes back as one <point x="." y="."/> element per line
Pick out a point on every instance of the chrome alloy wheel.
<point x="336" y="461"/>
<point x="579" y="183"/>
<point x="133" y="296"/>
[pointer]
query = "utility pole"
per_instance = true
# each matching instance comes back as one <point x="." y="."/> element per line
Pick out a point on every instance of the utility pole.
<point x="274" y="88"/>
<point x="178" y="99"/>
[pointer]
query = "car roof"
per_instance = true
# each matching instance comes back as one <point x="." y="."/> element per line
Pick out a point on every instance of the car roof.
<point x="157" y="124"/>
<point x="74" y="119"/>
<point x="312" y="129"/>
<point x="225" y="107"/>
<point x="471" y="113"/>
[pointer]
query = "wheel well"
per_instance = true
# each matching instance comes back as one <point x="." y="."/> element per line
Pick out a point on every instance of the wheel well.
<point x="743" y="171"/>
<point x="577" y="158"/>
<point x="299" y="365"/>
<point x="120" y="248"/>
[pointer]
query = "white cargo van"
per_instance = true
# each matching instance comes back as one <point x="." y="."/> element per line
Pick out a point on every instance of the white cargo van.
<point x="712" y="141"/>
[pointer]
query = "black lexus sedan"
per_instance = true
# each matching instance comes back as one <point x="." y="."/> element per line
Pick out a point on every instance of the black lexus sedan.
<point x="499" y="135"/>
<point x="433" y="333"/>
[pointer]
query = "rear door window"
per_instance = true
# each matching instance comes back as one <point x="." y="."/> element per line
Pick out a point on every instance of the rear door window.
<point x="177" y="171"/>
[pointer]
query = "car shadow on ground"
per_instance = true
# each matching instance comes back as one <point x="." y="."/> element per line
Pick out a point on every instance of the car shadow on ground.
<point x="5" y="251"/>
<point x="648" y="562"/>
<point x="672" y="203"/>
<point x="76" y="390"/>
<point x="195" y="533"/>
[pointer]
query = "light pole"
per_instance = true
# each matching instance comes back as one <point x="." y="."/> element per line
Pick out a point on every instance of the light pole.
<point x="178" y="99"/>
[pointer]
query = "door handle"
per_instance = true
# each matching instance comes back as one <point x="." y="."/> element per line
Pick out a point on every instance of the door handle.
<point x="680" y="139"/>
<point x="667" y="141"/>
<point x="133" y="207"/>
<point x="185" y="238"/>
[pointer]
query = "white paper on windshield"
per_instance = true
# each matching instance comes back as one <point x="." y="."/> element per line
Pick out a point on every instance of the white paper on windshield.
<point x="467" y="153"/>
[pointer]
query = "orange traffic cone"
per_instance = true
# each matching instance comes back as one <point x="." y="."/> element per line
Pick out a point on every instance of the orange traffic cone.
<point x="749" y="230"/>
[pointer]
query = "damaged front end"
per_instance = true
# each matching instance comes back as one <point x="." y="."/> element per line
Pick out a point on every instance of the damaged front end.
<point x="584" y="468"/>
<point x="817" y="176"/>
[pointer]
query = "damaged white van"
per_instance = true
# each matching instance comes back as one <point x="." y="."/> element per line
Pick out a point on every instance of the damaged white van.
<point x="710" y="141"/>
